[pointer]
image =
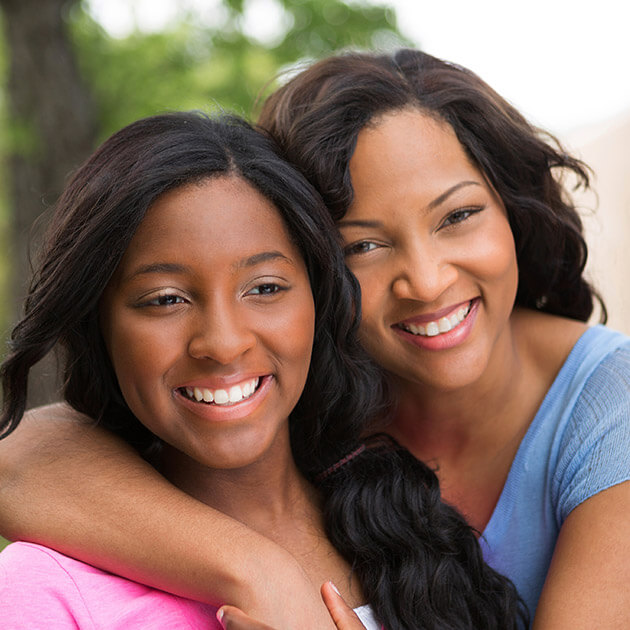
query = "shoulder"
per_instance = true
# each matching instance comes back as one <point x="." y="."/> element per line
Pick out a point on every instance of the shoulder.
<point x="594" y="444"/>
<point x="39" y="583"/>
<point x="545" y="341"/>
<point x="35" y="585"/>
<point x="22" y="557"/>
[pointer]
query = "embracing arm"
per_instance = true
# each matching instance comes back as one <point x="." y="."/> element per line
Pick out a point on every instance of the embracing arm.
<point x="77" y="488"/>
<point x="587" y="583"/>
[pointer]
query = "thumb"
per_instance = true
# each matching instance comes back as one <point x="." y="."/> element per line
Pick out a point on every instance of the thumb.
<point x="232" y="618"/>
<point x="344" y="617"/>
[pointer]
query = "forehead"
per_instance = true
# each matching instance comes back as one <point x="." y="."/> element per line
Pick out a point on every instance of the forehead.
<point x="219" y="220"/>
<point x="411" y="147"/>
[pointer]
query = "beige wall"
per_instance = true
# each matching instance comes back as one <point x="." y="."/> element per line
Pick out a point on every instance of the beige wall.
<point x="606" y="148"/>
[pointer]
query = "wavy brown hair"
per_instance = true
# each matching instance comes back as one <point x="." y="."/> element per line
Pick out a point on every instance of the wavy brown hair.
<point x="317" y="116"/>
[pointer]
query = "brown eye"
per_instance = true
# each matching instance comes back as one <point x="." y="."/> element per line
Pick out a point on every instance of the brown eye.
<point x="458" y="216"/>
<point x="361" y="247"/>
<point x="166" y="300"/>
<point x="268" y="288"/>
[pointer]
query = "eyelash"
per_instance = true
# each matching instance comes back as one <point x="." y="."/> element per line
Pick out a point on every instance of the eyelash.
<point x="164" y="299"/>
<point x="259" y="289"/>
<point x="360" y="247"/>
<point x="459" y="216"/>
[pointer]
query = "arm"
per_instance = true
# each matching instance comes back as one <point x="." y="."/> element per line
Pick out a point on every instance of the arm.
<point x="80" y="490"/>
<point x="587" y="583"/>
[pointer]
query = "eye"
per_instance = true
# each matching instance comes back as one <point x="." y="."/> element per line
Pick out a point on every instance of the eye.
<point x="459" y="216"/>
<point x="165" y="299"/>
<point x="267" y="288"/>
<point x="360" y="247"/>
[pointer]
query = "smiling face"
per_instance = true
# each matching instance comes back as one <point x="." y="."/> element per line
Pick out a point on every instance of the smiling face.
<point x="429" y="241"/>
<point x="209" y="323"/>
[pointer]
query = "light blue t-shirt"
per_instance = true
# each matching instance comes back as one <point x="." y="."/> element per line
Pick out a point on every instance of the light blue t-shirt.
<point x="577" y="445"/>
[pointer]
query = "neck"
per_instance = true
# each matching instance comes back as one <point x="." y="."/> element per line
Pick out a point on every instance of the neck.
<point x="264" y="495"/>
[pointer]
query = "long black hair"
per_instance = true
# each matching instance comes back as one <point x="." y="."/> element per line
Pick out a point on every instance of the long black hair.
<point x="418" y="562"/>
<point x="317" y="116"/>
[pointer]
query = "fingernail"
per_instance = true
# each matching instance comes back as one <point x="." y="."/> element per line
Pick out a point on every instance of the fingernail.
<point x="220" y="614"/>
<point x="335" y="589"/>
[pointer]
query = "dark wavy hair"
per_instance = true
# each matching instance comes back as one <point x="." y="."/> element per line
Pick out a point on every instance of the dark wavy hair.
<point x="418" y="562"/>
<point x="317" y="116"/>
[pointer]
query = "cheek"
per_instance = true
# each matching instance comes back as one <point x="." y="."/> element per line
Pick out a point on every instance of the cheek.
<point x="138" y="356"/>
<point x="372" y="289"/>
<point x="492" y="259"/>
<point x="288" y="333"/>
<point x="302" y="327"/>
<point x="374" y="307"/>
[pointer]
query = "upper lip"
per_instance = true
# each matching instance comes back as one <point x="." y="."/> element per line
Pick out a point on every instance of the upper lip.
<point x="214" y="383"/>
<point x="425" y="318"/>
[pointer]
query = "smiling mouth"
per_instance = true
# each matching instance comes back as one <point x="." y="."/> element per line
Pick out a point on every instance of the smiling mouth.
<point x="440" y="326"/>
<point x="221" y="397"/>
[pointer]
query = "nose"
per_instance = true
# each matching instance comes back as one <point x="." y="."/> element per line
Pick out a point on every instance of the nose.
<point x="219" y="334"/>
<point x="423" y="274"/>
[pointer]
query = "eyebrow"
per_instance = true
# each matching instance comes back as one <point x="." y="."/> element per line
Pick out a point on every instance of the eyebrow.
<point x="157" y="268"/>
<point x="447" y="193"/>
<point x="174" y="268"/>
<point x="256" y="259"/>
<point x="359" y="223"/>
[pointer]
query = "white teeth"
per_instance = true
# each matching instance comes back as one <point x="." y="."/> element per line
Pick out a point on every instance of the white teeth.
<point x="443" y="325"/>
<point x="235" y="394"/>
<point x="221" y="397"/>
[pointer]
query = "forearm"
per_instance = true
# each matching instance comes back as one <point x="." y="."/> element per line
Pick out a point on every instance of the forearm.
<point x="82" y="491"/>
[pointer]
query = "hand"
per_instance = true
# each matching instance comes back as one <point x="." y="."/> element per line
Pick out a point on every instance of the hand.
<point x="232" y="618"/>
<point x="344" y="617"/>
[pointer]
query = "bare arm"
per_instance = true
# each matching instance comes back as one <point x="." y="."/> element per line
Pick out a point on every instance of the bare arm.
<point x="587" y="583"/>
<point x="80" y="490"/>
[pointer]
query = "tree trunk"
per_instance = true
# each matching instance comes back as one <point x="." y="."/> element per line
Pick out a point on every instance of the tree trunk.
<point x="53" y="129"/>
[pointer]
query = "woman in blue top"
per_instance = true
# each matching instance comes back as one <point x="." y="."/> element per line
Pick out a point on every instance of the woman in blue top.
<point x="470" y="256"/>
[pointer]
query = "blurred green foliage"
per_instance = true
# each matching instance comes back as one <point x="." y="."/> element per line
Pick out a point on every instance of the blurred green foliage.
<point x="196" y="65"/>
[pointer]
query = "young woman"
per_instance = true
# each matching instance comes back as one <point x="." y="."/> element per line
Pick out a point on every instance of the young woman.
<point x="208" y="319"/>
<point x="470" y="257"/>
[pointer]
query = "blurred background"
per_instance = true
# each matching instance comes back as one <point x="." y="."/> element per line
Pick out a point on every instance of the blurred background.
<point x="74" y="71"/>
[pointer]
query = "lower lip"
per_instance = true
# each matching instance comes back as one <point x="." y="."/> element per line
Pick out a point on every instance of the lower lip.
<point x="444" y="341"/>
<point x="234" y="411"/>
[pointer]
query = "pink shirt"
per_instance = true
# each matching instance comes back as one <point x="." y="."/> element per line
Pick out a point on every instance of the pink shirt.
<point x="43" y="589"/>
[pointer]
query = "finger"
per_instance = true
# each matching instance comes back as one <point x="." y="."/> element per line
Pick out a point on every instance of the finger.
<point x="232" y="618"/>
<point x="344" y="617"/>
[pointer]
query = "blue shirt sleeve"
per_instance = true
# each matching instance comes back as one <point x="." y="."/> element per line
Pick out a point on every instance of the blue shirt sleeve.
<point x="595" y="447"/>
